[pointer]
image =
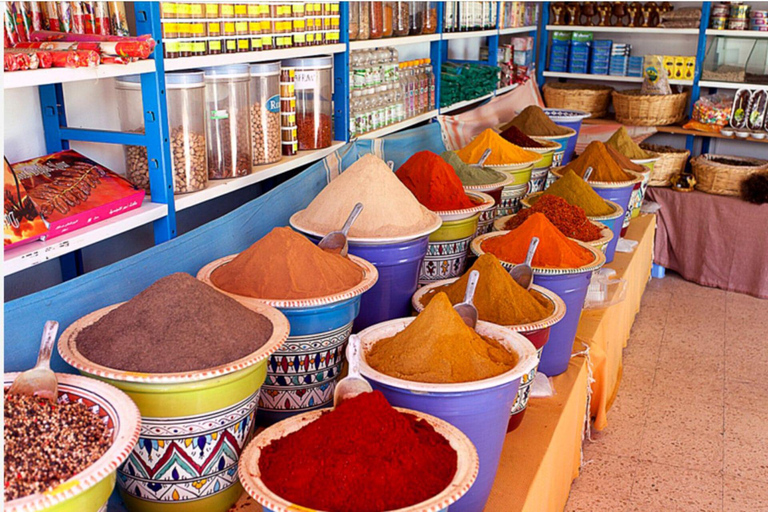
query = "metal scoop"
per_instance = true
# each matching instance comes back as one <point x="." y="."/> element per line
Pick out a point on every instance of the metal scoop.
<point x="40" y="381"/>
<point x="588" y="173"/>
<point x="523" y="273"/>
<point x="336" y="241"/>
<point x="353" y="384"/>
<point x="466" y="310"/>
<point x="483" y="158"/>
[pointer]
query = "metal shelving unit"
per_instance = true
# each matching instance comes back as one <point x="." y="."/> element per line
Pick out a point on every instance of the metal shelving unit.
<point x="607" y="78"/>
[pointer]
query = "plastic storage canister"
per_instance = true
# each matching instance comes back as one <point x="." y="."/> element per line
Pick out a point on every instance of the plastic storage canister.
<point x="430" y="18"/>
<point x="186" y="119"/>
<point x="416" y="18"/>
<point x="265" y="112"/>
<point x="227" y="121"/>
<point x="313" y="100"/>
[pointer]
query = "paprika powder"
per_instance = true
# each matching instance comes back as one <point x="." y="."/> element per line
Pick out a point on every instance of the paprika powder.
<point x="555" y="249"/>
<point x="574" y="190"/>
<point x="362" y="456"/>
<point x="434" y="182"/>
<point x="570" y="220"/>
<point x="604" y="168"/>
<point x="533" y="121"/>
<point x="503" y="152"/>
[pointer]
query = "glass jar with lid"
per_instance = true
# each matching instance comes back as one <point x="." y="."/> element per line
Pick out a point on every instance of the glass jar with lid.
<point x="430" y="17"/>
<point x="365" y="19"/>
<point x="416" y="18"/>
<point x="185" y="96"/>
<point x="314" y="103"/>
<point x="388" y="11"/>
<point x="227" y="131"/>
<point x="402" y="19"/>
<point x="376" y="24"/>
<point x="265" y="112"/>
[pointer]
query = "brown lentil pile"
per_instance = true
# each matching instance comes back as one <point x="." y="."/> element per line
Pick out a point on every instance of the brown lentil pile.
<point x="265" y="135"/>
<point x="228" y="158"/>
<point x="47" y="444"/>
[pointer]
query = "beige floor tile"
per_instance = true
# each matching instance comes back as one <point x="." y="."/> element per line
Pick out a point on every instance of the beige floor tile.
<point x="746" y="370"/>
<point x="748" y="425"/>
<point x="691" y="365"/>
<point x="634" y="388"/>
<point x="681" y="447"/>
<point x="622" y="435"/>
<point x="746" y="395"/>
<point x="596" y="503"/>
<point x="605" y="475"/>
<point x="658" y="487"/>
<point x="693" y="386"/>
<point x="744" y="495"/>
<point x="673" y="412"/>
<point x="746" y="459"/>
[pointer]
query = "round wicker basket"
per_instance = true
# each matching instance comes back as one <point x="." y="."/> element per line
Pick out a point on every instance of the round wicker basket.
<point x="723" y="174"/>
<point x="635" y="108"/>
<point x="594" y="99"/>
<point x="671" y="162"/>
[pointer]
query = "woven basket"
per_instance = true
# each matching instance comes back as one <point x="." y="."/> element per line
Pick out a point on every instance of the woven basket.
<point x="589" y="98"/>
<point x="634" y="108"/>
<point x="724" y="179"/>
<point x="671" y="162"/>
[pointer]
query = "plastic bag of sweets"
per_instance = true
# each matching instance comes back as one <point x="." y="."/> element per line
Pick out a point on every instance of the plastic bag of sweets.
<point x="656" y="81"/>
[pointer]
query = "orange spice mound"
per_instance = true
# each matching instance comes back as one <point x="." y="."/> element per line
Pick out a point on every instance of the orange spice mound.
<point x="604" y="167"/>
<point x="434" y="182"/>
<point x="503" y="152"/>
<point x="555" y="249"/>
<point x="285" y="265"/>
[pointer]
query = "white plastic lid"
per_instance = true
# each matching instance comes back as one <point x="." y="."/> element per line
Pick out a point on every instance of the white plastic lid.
<point x="265" y="68"/>
<point x="229" y="71"/>
<point x="324" y="61"/>
<point x="188" y="78"/>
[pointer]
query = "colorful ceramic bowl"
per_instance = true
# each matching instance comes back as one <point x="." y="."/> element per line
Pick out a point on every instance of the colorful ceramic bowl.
<point x="494" y="190"/>
<point x="521" y="174"/>
<point x="466" y="471"/>
<point x="510" y="199"/>
<point x="447" y="250"/>
<point x="194" y="424"/>
<point x="90" y="489"/>
<point x="563" y="140"/>
<point x="601" y="243"/>
<point x="483" y="202"/>
<point x="302" y="373"/>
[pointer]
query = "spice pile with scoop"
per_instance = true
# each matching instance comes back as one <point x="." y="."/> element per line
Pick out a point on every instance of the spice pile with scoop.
<point x="471" y="175"/>
<point x="534" y="122"/>
<point x="373" y="458"/>
<point x="570" y="220"/>
<point x="503" y="152"/>
<point x="555" y="249"/>
<point x="46" y="444"/>
<point x="604" y="167"/>
<point x="434" y="183"/>
<point x="285" y="265"/>
<point x="178" y="324"/>
<point x="574" y="190"/>
<point x="498" y="297"/>
<point x="438" y="347"/>
<point x="389" y="208"/>
<point x="623" y="143"/>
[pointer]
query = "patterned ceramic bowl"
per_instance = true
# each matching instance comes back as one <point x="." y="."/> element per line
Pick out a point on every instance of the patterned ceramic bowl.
<point x="483" y="202"/>
<point x="90" y="489"/>
<point x="466" y="472"/>
<point x="494" y="190"/>
<point x="557" y="157"/>
<point x="511" y="198"/>
<point x="194" y="424"/>
<point x="447" y="250"/>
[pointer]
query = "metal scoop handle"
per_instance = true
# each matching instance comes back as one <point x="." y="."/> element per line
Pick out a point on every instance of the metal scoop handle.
<point x="469" y="294"/>
<point x="531" y="250"/>
<point x="483" y="158"/>
<point x="588" y="173"/>
<point x="352" y="218"/>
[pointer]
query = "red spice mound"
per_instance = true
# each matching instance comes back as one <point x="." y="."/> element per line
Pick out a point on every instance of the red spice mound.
<point x="434" y="182"/>
<point x="514" y="135"/>
<point x="362" y="456"/>
<point x="570" y="220"/>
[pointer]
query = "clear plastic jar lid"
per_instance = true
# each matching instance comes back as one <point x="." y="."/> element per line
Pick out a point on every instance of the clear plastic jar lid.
<point x="265" y="69"/>
<point x="322" y="62"/>
<point x="186" y="79"/>
<point x="228" y="71"/>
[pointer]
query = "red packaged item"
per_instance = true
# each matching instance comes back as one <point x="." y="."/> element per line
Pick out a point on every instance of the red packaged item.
<point x="18" y="61"/>
<point x="49" y="35"/>
<point x="38" y="22"/>
<point x="23" y="20"/>
<point x="71" y="191"/>
<point x="86" y="58"/>
<point x="11" y="36"/>
<point x="65" y="17"/>
<point x="117" y="19"/>
<point x="101" y="18"/>
<point x="43" y="57"/>
<point x="51" y="14"/>
<point x="105" y="59"/>
<point x="22" y="222"/>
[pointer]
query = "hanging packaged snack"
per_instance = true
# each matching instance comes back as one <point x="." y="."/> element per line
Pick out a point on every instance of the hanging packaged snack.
<point x="100" y="18"/>
<point x="117" y="19"/>
<point x="21" y="222"/>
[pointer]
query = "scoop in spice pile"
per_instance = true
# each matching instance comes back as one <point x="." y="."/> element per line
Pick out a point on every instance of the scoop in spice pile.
<point x="389" y="208"/>
<point x="623" y="143"/>
<point x="534" y="122"/>
<point x="604" y="166"/>
<point x="514" y="135"/>
<point x="438" y="347"/>
<point x="498" y="297"/>
<point x="570" y="220"/>
<point x="503" y="152"/>
<point x="555" y="249"/>
<point x="382" y="459"/>
<point x="434" y="183"/>
<point x="573" y="189"/>
<point x="178" y="324"/>
<point x="285" y="265"/>
<point x="471" y="175"/>
<point x="47" y="444"/>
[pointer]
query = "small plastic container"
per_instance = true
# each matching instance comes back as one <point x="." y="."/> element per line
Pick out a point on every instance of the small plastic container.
<point x="227" y="121"/>
<point x="170" y="46"/>
<point x="388" y="11"/>
<point x="416" y="18"/>
<point x="430" y="17"/>
<point x="196" y="11"/>
<point x="198" y="31"/>
<point x="401" y="19"/>
<point x="227" y="11"/>
<point x="185" y="95"/>
<point x="212" y="10"/>
<point x="314" y="80"/>
<point x="265" y="112"/>
<point x="376" y="24"/>
<point x="364" y="9"/>
<point x="168" y="10"/>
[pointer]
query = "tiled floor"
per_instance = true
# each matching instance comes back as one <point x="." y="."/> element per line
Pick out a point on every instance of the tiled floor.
<point x="689" y="428"/>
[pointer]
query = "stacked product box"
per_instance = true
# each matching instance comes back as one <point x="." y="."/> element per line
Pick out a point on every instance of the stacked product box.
<point x="635" y="66"/>
<point x="581" y="43"/>
<point x="619" y="63"/>
<point x="560" y="52"/>
<point x="601" y="56"/>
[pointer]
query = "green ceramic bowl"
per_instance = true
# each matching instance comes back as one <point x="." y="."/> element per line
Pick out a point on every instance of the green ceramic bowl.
<point x="194" y="424"/>
<point x="90" y="489"/>
<point x="447" y="250"/>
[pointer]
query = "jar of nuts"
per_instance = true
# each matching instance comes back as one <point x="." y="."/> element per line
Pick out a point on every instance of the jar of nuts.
<point x="186" y="118"/>
<point x="265" y="112"/>
<point x="314" y="103"/>
<point x="227" y="120"/>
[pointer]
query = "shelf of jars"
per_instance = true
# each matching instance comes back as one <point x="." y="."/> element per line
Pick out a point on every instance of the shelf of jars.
<point x="396" y="127"/>
<point x="35" y="77"/>
<point x="474" y="33"/>
<point x="393" y="41"/>
<point x="748" y="34"/>
<point x="608" y="78"/>
<point x="224" y="59"/>
<point x="517" y="30"/>
<point x="634" y="30"/>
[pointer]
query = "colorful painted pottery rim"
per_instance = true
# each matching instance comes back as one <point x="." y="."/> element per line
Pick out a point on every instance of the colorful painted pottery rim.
<point x="69" y="352"/>
<point x="483" y="202"/>
<point x="512" y="341"/>
<point x="558" y="305"/>
<point x="646" y="161"/>
<point x="490" y="186"/>
<point x="513" y="167"/>
<point x="607" y="234"/>
<point x="566" y="115"/>
<point x="555" y="138"/>
<point x="618" y="211"/>
<point x="467" y="464"/>
<point x="433" y="226"/>
<point x="598" y="262"/>
<point x="370" y="276"/>
<point x="636" y="178"/>
<point x="127" y="423"/>
<point x="549" y="146"/>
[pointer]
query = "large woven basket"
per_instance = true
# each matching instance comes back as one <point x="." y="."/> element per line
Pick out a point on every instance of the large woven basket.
<point x="634" y="108"/>
<point x="724" y="178"/>
<point x="570" y="96"/>
<point x="671" y="162"/>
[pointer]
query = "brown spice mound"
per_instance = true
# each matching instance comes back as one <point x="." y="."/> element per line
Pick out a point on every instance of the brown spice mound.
<point x="47" y="444"/>
<point x="534" y="121"/>
<point x="178" y="324"/>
